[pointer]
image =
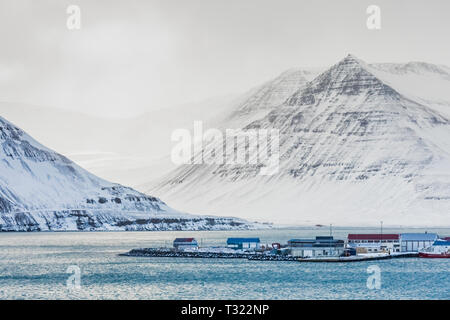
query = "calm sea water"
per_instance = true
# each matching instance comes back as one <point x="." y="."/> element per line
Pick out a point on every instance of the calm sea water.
<point x="34" y="265"/>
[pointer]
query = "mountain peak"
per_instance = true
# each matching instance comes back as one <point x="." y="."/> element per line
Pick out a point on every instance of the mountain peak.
<point x="349" y="77"/>
<point x="351" y="56"/>
<point x="351" y="59"/>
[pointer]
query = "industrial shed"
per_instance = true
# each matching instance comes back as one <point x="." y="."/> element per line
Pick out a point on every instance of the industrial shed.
<point x="413" y="242"/>
<point x="320" y="246"/>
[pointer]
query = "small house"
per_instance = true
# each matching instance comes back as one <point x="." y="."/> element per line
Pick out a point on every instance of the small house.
<point x="243" y="243"/>
<point x="185" y="243"/>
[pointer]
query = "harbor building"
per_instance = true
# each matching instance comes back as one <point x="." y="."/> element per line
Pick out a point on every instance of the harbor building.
<point x="414" y="242"/>
<point x="374" y="242"/>
<point x="243" y="243"/>
<point x="185" y="243"/>
<point x="318" y="247"/>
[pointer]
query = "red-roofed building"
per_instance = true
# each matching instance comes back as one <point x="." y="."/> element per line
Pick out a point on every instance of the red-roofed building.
<point x="374" y="242"/>
<point x="185" y="243"/>
<point x="373" y="237"/>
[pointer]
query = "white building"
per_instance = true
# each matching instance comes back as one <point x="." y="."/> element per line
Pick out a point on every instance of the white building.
<point x="375" y="242"/>
<point x="319" y="247"/>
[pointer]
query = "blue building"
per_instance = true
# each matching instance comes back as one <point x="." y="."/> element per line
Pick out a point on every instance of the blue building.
<point x="243" y="243"/>
<point x="414" y="242"/>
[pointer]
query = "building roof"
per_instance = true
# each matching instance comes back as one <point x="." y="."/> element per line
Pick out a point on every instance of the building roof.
<point x="318" y="242"/>
<point x="366" y="245"/>
<point x="418" y="236"/>
<point x="242" y="240"/>
<point x="188" y="240"/>
<point x="373" y="236"/>
<point x="303" y="240"/>
<point x="324" y="238"/>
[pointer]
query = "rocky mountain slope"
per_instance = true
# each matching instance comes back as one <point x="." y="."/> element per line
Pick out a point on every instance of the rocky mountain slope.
<point x="356" y="147"/>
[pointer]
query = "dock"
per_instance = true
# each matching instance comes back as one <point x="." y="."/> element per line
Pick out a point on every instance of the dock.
<point x="359" y="258"/>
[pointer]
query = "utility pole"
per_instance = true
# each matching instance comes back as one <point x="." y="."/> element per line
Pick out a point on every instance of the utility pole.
<point x="381" y="233"/>
<point x="331" y="232"/>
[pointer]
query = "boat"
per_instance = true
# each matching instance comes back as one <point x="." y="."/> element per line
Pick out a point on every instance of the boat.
<point x="439" y="249"/>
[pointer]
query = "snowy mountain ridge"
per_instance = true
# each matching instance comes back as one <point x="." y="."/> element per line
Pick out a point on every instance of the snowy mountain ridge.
<point x="260" y="100"/>
<point x="43" y="190"/>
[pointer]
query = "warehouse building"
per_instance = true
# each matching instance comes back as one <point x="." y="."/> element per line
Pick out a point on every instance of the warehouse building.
<point x="318" y="247"/>
<point x="374" y="242"/>
<point x="413" y="242"/>
<point x="243" y="243"/>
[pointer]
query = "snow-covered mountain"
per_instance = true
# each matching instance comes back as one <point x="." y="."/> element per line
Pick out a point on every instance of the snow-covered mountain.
<point x="357" y="145"/>
<point x="134" y="151"/>
<point x="43" y="190"/>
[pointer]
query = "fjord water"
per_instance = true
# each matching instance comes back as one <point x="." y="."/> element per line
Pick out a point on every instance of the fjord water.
<point x="34" y="265"/>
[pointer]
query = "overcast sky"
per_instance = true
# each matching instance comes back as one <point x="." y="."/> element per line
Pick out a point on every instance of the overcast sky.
<point x="135" y="56"/>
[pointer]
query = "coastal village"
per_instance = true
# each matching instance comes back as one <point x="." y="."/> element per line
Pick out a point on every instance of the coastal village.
<point x="357" y="247"/>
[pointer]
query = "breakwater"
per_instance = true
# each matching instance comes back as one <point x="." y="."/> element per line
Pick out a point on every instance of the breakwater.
<point x="170" y="253"/>
<point x="154" y="252"/>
